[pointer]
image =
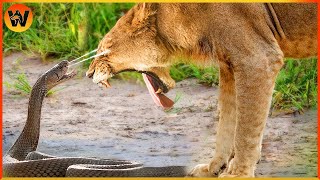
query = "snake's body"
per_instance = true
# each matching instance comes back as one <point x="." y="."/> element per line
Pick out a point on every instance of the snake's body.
<point x="22" y="160"/>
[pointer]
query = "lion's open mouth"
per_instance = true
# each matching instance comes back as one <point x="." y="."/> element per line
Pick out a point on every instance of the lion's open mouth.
<point x="156" y="89"/>
<point x="155" y="81"/>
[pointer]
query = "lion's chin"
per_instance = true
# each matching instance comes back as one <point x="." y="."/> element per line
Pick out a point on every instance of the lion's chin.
<point x="101" y="78"/>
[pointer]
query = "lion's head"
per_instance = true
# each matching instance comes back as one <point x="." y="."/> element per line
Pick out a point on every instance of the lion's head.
<point x="134" y="44"/>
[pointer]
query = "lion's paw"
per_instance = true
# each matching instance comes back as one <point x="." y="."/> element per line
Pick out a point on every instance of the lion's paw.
<point x="237" y="170"/>
<point x="208" y="170"/>
<point x="200" y="170"/>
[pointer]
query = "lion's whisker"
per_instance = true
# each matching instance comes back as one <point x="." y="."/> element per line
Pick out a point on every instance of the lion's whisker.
<point x="83" y="55"/>
<point x="97" y="55"/>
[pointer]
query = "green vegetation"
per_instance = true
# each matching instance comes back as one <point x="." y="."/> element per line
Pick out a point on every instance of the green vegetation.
<point x="208" y="76"/>
<point x="296" y="85"/>
<point x="21" y="86"/>
<point x="66" y="31"/>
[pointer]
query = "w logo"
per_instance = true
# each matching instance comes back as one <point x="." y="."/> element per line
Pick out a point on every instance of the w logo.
<point x="18" y="17"/>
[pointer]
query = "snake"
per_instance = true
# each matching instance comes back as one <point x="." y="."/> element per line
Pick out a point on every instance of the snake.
<point x="23" y="159"/>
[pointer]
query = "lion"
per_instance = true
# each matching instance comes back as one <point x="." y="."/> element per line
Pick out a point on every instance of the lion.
<point x="248" y="43"/>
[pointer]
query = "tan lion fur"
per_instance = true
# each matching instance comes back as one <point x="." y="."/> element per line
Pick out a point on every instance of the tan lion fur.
<point x="247" y="42"/>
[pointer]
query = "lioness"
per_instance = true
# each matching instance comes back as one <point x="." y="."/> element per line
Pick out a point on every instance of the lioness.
<point x="247" y="41"/>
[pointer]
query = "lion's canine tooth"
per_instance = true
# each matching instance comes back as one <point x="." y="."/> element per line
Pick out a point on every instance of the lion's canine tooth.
<point x="106" y="83"/>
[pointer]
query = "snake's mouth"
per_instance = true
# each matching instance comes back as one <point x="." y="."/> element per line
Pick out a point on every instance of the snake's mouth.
<point x="67" y="75"/>
<point x="58" y="74"/>
<point x="63" y="72"/>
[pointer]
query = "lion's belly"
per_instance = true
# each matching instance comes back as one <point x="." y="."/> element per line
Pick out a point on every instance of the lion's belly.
<point x="302" y="47"/>
<point x="299" y="24"/>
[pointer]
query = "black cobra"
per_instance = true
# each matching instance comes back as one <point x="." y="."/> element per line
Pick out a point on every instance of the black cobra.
<point x="22" y="160"/>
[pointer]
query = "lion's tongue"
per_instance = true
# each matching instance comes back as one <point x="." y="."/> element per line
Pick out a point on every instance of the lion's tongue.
<point x="158" y="98"/>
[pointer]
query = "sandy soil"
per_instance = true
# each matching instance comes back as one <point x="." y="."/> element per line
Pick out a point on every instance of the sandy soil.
<point x="122" y="122"/>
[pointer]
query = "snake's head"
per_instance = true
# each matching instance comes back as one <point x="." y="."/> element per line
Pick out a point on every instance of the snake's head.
<point x="58" y="74"/>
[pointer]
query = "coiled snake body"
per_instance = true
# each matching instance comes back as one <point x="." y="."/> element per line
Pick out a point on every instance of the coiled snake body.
<point x="22" y="160"/>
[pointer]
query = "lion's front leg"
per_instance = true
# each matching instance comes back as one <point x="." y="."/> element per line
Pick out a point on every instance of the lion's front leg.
<point x="226" y="126"/>
<point x="254" y="83"/>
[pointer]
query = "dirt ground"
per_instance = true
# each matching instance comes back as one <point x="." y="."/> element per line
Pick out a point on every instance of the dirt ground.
<point x="123" y="123"/>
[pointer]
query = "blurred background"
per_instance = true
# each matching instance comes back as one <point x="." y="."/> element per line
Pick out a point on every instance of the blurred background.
<point x="68" y="30"/>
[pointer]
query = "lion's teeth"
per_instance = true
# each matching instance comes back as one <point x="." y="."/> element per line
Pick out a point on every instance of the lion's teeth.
<point x="105" y="77"/>
<point x="98" y="77"/>
<point x="106" y="83"/>
<point x="159" y="91"/>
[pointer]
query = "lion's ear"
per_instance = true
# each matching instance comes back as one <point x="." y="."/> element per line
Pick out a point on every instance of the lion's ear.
<point x="146" y="10"/>
<point x="149" y="9"/>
